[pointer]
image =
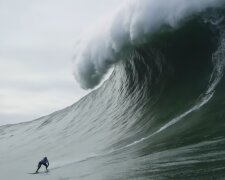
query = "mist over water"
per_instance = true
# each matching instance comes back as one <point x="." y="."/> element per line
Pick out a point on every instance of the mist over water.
<point x="160" y="115"/>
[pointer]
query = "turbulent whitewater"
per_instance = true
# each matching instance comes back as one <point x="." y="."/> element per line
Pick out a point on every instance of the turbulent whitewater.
<point x="160" y="114"/>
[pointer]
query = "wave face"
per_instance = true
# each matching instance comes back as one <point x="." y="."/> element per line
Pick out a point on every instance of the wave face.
<point x="160" y="115"/>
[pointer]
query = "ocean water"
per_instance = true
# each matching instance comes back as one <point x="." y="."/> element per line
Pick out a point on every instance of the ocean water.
<point x="160" y="114"/>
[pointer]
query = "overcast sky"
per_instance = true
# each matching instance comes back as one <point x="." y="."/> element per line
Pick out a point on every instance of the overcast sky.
<point x="37" y="38"/>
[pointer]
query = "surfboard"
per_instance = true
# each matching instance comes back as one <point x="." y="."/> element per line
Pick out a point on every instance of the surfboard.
<point x="42" y="172"/>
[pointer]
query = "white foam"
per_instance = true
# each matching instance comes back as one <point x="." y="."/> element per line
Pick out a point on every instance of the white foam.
<point x="100" y="47"/>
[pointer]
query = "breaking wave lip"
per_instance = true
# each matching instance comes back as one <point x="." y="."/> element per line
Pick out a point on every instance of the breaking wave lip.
<point x="130" y="24"/>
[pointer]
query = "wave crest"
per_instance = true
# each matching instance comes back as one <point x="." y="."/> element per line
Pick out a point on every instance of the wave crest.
<point x="129" y="25"/>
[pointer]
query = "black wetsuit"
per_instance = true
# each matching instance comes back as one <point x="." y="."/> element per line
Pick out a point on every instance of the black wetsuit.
<point x="43" y="162"/>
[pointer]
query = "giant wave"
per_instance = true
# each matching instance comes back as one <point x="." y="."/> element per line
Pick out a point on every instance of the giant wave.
<point x="160" y="115"/>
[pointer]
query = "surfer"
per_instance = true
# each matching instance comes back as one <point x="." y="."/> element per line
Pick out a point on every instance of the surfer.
<point x="44" y="162"/>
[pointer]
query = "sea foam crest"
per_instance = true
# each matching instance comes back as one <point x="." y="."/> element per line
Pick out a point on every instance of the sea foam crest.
<point x="101" y="46"/>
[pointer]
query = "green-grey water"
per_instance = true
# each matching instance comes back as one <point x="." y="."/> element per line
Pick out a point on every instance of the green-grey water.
<point x="160" y="115"/>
